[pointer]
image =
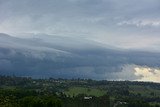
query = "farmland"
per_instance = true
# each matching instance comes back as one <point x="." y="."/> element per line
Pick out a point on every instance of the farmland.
<point x="28" y="92"/>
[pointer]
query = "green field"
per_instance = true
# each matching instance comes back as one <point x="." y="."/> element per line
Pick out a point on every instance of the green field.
<point x="144" y="91"/>
<point x="74" y="91"/>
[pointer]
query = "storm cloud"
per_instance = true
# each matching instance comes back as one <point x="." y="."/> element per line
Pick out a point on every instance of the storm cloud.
<point x="100" y="39"/>
<point x="38" y="57"/>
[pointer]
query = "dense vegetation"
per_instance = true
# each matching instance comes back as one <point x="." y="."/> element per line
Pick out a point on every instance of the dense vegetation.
<point x="28" y="92"/>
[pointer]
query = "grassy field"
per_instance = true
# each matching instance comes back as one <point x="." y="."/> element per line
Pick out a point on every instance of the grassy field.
<point x="73" y="91"/>
<point x="144" y="91"/>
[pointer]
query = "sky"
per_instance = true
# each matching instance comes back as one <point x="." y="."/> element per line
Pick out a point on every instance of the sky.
<point x="119" y="24"/>
<point x="122" y="23"/>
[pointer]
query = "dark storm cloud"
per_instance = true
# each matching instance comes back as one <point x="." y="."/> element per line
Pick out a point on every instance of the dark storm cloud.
<point x="87" y="38"/>
<point x="29" y="57"/>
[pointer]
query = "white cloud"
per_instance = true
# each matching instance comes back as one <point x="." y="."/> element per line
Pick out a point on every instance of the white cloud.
<point x="136" y="73"/>
<point x="147" y="74"/>
<point x="141" y="23"/>
<point x="126" y="73"/>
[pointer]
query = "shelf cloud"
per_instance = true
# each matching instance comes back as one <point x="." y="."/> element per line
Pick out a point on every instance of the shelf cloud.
<point x="95" y="38"/>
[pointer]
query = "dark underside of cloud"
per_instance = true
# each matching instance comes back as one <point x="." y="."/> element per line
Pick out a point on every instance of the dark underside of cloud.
<point x="66" y="57"/>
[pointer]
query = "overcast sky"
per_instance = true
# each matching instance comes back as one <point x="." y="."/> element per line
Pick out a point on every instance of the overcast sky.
<point x="101" y="29"/>
<point x="131" y="24"/>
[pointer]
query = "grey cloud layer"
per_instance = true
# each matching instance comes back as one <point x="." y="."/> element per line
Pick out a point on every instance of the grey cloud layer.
<point x="90" y="37"/>
<point x="63" y="57"/>
<point x="109" y="21"/>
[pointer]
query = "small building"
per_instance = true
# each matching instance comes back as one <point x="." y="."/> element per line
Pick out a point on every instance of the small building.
<point x="87" y="98"/>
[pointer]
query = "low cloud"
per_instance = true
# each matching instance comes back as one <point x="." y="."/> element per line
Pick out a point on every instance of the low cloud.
<point x="147" y="74"/>
<point x="70" y="58"/>
<point x="137" y="73"/>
